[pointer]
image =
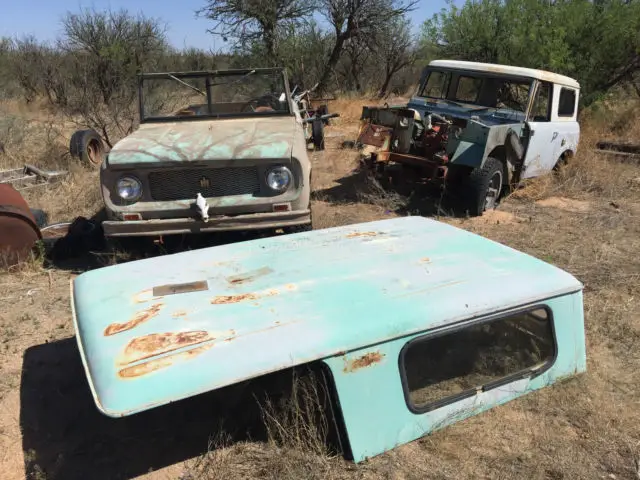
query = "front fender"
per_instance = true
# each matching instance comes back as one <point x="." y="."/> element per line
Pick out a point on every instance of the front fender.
<point x="477" y="141"/>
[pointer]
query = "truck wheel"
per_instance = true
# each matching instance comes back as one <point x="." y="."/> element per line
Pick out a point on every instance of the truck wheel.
<point x="87" y="146"/>
<point x="484" y="186"/>
<point x="317" y="134"/>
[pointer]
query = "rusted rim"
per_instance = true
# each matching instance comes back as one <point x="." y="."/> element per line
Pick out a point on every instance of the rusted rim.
<point x="94" y="151"/>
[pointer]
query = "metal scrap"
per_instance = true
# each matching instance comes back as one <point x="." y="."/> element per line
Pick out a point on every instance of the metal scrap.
<point x="30" y="176"/>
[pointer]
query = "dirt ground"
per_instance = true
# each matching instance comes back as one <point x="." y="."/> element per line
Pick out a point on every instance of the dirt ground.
<point x="585" y="220"/>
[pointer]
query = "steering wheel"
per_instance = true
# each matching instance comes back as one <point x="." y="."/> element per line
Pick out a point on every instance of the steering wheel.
<point x="269" y="98"/>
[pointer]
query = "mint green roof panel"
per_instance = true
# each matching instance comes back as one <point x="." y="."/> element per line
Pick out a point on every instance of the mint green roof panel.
<point x="158" y="330"/>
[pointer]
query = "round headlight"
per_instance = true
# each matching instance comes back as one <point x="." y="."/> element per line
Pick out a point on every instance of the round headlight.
<point x="129" y="188"/>
<point x="279" y="178"/>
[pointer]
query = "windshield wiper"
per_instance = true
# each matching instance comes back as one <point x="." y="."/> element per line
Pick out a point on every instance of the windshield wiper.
<point x="187" y="85"/>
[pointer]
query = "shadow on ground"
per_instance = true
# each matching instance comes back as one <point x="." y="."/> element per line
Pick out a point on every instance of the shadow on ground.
<point x="83" y="247"/>
<point x="402" y="194"/>
<point x="65" y="437"/>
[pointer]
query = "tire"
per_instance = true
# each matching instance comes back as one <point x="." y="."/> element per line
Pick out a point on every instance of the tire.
<point x="484" y="186"/>
<point x="317" y="134"/>
<point x="87" y="146"/>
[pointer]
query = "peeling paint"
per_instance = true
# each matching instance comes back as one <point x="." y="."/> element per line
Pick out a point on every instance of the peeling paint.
<point x="144" y="296"/>
<point x="243" y="297"/>
<point x="159" y="363"/>
<point x="364" y="361"/>
<point x="155" y="344"/>
<point x="249" y="276"/>
<point x="226" y="299"/>
<point x="191" y="141"/>
<point x="139" y="318"/>
<point x="362" y="234"/>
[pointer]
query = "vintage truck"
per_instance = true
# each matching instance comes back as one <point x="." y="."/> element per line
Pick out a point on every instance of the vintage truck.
<point x="476" y="128"/>
<point x="409" y="325"/>
<point x="215" y="151"/>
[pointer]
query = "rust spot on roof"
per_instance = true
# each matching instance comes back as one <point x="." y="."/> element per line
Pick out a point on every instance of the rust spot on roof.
<point x="144" y="296"/>
<point x="159" y="363"/>
<point x="242" y="297"/>
<point x="179" y="313"/>
<point x="158" y="343"/>
<point x="366" y="360"/>
<point x="249" y="276"/>
<point x="425" y="260"/>
<point x="138" y="318"/>
<point x="362" y="234"/>
<point x="224" y="299"/>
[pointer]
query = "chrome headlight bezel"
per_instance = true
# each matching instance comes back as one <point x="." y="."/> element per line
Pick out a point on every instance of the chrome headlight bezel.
<point x="274" y="178"/>
<point x="129" y="181"/>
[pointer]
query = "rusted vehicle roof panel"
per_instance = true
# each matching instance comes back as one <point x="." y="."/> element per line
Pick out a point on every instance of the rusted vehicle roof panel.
<point x="220" y="139"/>
<point x="157" y="330"/>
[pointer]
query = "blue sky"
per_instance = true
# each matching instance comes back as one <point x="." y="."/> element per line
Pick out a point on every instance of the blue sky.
<point x="41" y="18"/>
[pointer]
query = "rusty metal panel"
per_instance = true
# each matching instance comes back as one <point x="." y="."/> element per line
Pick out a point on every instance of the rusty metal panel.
<point x="282" y="301"/>
<point x="30" y="176"/>
<point x="375" y="135"/>
<point x="18" y="229"/>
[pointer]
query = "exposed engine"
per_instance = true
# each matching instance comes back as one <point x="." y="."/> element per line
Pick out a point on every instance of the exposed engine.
<point x="412" y="135"/>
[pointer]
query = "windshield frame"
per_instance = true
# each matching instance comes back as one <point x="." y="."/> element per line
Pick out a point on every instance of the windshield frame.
<point x="448" y="98"/>
<point x="209" y="76"/>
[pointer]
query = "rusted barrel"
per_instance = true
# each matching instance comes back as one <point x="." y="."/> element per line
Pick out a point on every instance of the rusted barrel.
<point x="18" y="229"/>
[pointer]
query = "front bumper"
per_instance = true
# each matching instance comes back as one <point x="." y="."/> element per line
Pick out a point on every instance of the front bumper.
<point x="223" y="223"/>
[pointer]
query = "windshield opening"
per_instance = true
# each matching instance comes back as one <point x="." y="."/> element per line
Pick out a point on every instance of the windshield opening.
<point x="485" y="91"/>
<point x="175" y="96"/>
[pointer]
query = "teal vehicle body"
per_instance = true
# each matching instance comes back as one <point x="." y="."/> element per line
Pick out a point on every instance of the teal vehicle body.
<point x="358" y="300"/>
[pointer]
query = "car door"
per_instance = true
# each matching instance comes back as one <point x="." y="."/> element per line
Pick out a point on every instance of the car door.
<point x="543" y="134"/>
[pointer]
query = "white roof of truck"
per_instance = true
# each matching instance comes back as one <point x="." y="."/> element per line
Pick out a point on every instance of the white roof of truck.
<point x="507" y="70"/>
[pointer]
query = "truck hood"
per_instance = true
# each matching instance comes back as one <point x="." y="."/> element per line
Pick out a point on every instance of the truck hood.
<point x="194" y="140"/>
<point x="488" y="117"/>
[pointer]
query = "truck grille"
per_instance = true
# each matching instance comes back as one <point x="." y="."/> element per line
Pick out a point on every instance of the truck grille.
<point x="210" y="182"/>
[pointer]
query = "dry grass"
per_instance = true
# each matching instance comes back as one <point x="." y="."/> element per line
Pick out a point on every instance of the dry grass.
<point x="31" y="135"/>
<point x="584" y="219"/>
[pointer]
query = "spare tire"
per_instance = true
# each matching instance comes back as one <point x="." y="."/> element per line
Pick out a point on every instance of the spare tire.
<point x="87" y="146"/>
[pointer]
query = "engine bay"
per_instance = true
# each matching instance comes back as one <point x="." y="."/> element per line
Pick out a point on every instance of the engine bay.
<point x="405" y="132"/>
